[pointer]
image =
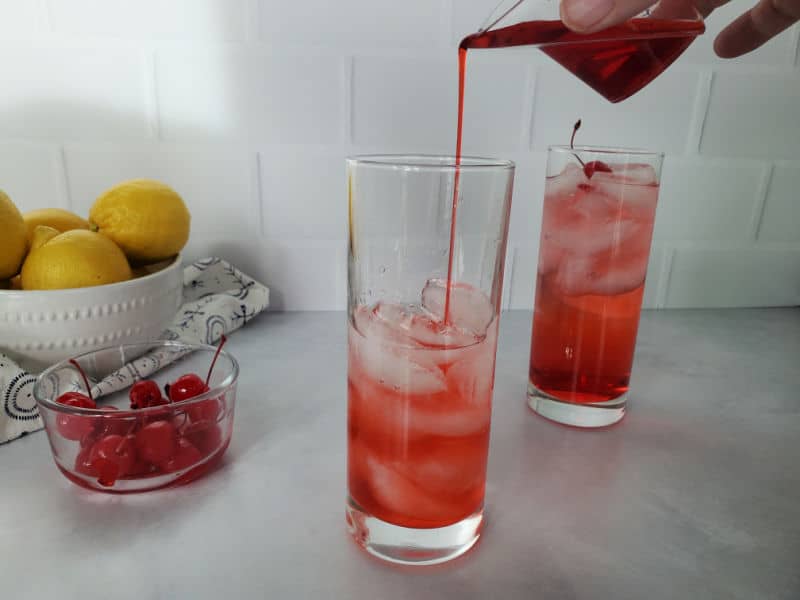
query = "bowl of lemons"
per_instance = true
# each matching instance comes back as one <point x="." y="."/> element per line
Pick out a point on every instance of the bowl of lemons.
<point x="70" y="285"/>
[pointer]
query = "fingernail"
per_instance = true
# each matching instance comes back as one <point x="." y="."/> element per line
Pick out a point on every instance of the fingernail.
<point x="582" y="14"/>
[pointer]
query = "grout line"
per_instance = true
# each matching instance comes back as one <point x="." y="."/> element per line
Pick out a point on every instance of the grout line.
<point x="665" y="277"/>
<point x="150" y="93"/>
<point x="528" y="99"/>
<point x="794" y="50"/>
<point x="347" y="100"/>
<point x="257" y="192"/>
<point x="62" y="176"/>
<point x="699" y="112"/>
<point x="536" y="70"/>
<point x="759" y="206"/>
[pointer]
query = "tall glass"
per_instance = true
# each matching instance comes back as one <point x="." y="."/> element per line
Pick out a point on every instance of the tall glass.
<point x="422" y="352"/>
<point x="597" y="227"/>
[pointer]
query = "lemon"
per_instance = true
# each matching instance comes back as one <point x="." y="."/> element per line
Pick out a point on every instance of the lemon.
<point x="13" y="243"/>
<point x="146" y="218"/>
<point x="74" y="259"/>
<point x="59" y="219"/>
<point x="41" y="235"/>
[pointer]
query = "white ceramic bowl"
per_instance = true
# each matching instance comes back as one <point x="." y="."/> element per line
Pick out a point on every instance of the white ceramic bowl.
<point x="39" y="328"/>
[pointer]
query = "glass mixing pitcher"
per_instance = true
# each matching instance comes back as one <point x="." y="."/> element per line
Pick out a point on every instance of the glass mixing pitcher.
<point x="616" y="62"/>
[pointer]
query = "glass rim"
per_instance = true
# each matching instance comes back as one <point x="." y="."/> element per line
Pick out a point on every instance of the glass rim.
<point x="430" y="162"/>
<point x="230" y="380"/>
<point x="611" y="150"/>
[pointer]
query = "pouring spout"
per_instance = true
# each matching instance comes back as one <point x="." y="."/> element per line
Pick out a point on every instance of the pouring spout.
<point x="500" y="12"/>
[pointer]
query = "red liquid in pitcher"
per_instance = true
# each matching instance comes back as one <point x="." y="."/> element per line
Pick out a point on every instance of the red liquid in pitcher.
<point x="616" y="62"/>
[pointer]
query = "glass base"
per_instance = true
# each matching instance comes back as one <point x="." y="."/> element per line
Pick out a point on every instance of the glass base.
<point x="601" y="414"/>
<point x="407" y="546"/>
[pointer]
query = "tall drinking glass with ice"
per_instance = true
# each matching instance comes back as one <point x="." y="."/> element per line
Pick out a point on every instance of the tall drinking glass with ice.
<point x="425" y="280"/>
<point x="597" y="227"/>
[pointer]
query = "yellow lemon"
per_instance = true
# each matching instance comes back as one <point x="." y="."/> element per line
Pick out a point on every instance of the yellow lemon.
<point x="146" y="218"/>
<point x="74" y="259"/>
<point x="41" y="235"/>
<point x="59" y="219"/>
<point x="13" y="242"/>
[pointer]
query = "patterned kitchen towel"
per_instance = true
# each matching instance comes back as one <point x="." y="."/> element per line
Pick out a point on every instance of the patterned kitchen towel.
<point x="217" y="299"/>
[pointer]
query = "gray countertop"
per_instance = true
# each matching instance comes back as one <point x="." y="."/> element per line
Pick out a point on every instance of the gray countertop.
<point x="696" y="494"/>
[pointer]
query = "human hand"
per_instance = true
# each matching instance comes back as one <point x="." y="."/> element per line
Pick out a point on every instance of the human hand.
<point x="750" y="30"/>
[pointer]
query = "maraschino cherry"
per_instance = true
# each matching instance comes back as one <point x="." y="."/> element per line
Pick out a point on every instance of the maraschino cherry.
<point x="73" y="427"/>
<point x="592" y="167"/>
<point x="145" y="393"/>
<point x="190" y="386"/>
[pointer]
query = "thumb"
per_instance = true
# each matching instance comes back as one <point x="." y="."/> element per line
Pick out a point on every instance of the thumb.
<point x="586" y="16"/>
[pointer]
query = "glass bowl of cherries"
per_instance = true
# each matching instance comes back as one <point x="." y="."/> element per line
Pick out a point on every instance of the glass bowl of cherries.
<point x="139" y="417"/>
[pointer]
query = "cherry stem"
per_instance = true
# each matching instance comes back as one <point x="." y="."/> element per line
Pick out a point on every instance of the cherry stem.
<point x="572" y="142"/>
<point x="222" y="340"/>
<point x="118" y="449"/>
<point x="75" y="364"/>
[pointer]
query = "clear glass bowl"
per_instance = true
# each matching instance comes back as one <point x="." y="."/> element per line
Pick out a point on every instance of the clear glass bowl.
<point x="184" y="440"/>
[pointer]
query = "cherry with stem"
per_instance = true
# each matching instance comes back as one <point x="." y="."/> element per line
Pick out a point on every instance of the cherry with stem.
<point x="589" y="168"/>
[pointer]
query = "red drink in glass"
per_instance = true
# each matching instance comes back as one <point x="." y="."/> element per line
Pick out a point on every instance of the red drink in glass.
<point x="419" y="413"/>
<point x="425" y="275"/>
<point x="593" y="255"/>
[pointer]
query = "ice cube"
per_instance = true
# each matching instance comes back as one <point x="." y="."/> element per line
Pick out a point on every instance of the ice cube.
<point x="445" y="471"/>
<point x="393" y="366"/>
<point x="587" y="237"/>
<point x="632" y="173"/>
<point x="618" y="271"/>
<point x="469" y="310"/>
<point x="400" y="495"/>
<point x="566" y="182"/>
<point x="633" y="199"/>
<point x="472" y="378"/>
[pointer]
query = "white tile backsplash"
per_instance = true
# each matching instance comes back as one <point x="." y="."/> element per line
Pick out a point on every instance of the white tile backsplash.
<point x="734" y="278"/>
<point x="212" y="20"/>
<point x="237" y="95"/>
<point x="72" y="93"/>
<point x="705" y="200"/>
<point x="657" y="118"/>
<point x="407" y="104"/>
<point x="753" y="114"/>
<point x="304" y="195"/>
<point x="351" y="23"/>
<point x="29" y="174"/>
<point x="248" y="108"/>
<point x="21" y="19"/>
<point x="781" y="219"/>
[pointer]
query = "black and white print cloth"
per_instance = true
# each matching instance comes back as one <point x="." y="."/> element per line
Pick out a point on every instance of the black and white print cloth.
<point x="217" y="299"/>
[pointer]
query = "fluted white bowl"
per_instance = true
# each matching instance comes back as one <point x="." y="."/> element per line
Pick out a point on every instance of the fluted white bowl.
<point x="40" y="328"/>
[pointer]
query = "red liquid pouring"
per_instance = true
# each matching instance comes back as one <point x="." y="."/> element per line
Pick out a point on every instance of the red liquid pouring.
<point x="616" y="63"/>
